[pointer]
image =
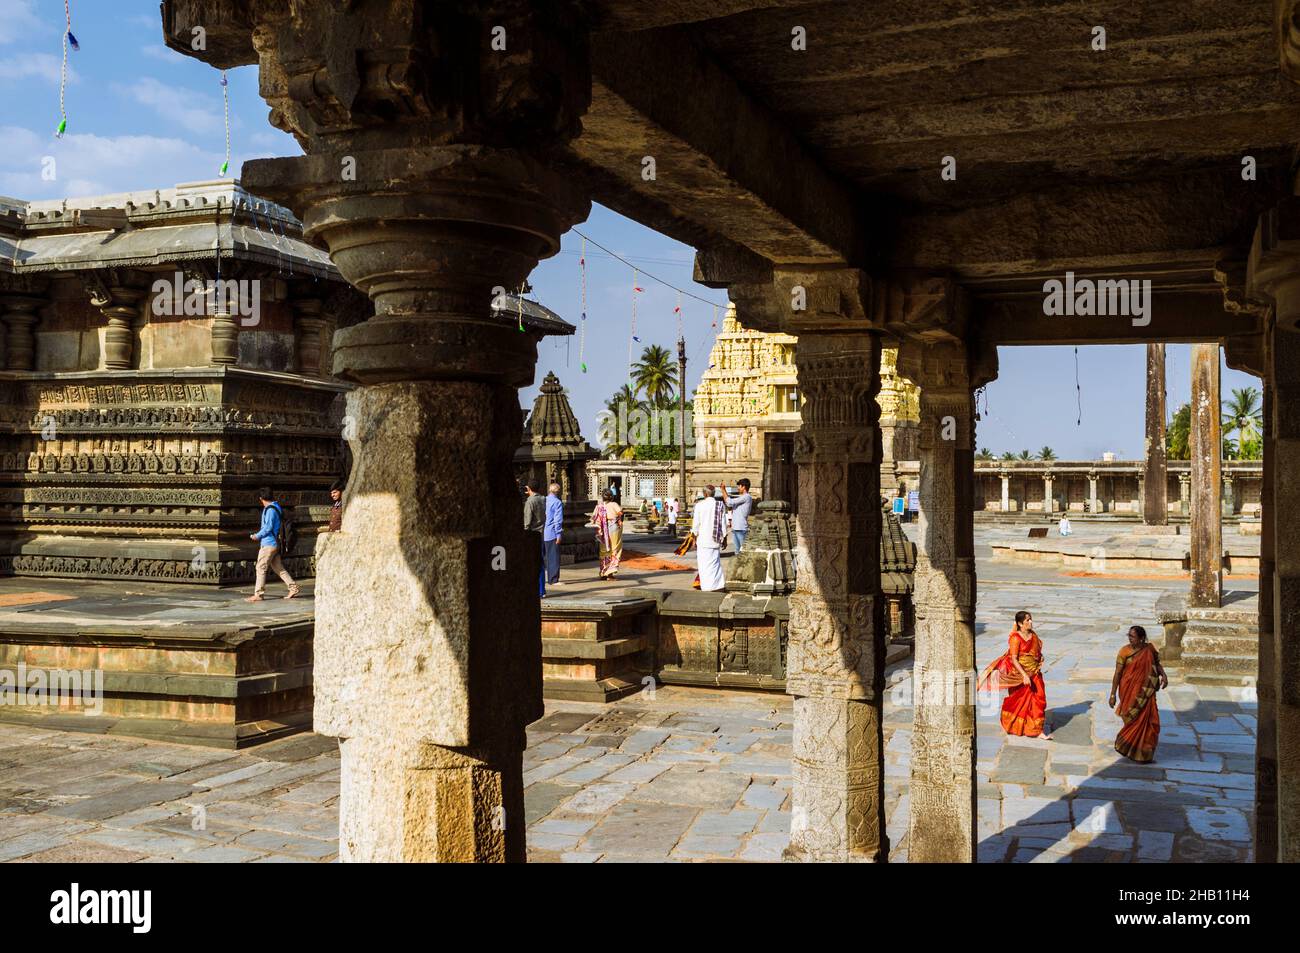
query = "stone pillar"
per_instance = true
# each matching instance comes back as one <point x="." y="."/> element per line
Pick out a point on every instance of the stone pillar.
<point x="1266" y="684"/>
<point x="1155" y="501"/>
<point x="1207" y="450"/>
<point x="1006" y="493"/>
<point x="21" y="312"/>
<point x="430" y="178"/>
<point x="1049" y="502"/>
<point x="942" y="820"/>
<point x="837" y="628"/>
<point x="1092" y="494"/>
<point x="1141" y="494"/>
<point x="307" y="328"/>
<point x="123" y="313"/>
<point x="1185" y="493"/>
<point x="1229" y="507"/>
<point x="225" y="338"/>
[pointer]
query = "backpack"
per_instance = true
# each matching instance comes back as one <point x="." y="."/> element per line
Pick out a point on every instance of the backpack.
<point x="287" y="536"/>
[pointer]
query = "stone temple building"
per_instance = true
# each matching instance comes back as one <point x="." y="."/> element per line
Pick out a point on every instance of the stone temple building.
<point x="858" y="175"/>
<point x="746" y="414"/>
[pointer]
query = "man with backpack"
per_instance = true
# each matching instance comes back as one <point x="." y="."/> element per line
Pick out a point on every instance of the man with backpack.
<point x="273" y="537"/>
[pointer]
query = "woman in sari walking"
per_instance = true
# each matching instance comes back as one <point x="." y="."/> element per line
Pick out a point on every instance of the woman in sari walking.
<point x="1138" y="676"/>
<point x="1020" y="669"/>
<point x="608" y="520"/>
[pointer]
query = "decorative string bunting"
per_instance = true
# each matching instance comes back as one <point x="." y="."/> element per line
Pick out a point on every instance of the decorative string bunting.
<point x="519" y="300"/>
<point x="582" y="326"/>
<point x="68" y="39"/>
<point x="636" y="290"/>
<point x="225" y="97"/>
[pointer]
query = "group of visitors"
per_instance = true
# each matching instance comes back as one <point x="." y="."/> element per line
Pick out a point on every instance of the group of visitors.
<point x="1138" y="676"/>
<point x="545" y="515"/>
<point x="714" y="511"/>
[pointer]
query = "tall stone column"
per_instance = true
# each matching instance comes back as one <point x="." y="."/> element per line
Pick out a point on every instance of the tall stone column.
<point x="430" y="178"/>
<point x="1155" y="502"/>
<point x="1266" y="683"/>
<point x="942" y="821"/>
<point x="1229" y="505"/>
<point x="836" y="656"/>
<point x="20" y="315"/>
<point x="1006" y="493"/>
<point x="1185" y="493"/>
<point x="1093" y="504"/>
<point x="1207" y="450"/>
<point x="1049" y="501"/>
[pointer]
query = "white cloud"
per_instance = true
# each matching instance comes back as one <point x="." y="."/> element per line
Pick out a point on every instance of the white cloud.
<point x="87" y="164"/>
<point x="174" y="104"/>
<point x="44" y="66"/>
<point x="156" y="51"/>
<point x="17" y="20"/>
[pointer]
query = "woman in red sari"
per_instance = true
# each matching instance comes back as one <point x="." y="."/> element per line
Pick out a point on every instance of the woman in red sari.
<point x="1138" y="676"/>
<point x="1020" y="670"/>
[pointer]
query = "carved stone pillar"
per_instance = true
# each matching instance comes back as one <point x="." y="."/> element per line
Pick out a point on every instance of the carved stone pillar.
<point x="1093" y="503"/>
<point x="942" y="823"/>
<point x="1266" y="684"/>
<point x="21" y="313"/>
<point x="1229" y="505"/>
<point x="837" y="629"/>
<point x="1006" y="493"/>
<point x="1155" y="502"/>
<point x="1049" y="501"/>
<point x="1185" y="493"/>
<point x="429" y="176"/>
<point x="122" y="309"/>
<point x="1207" y="452"/>
<point x="307" y="327"/>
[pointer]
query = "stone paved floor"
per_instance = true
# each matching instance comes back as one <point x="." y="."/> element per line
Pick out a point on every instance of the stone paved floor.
<point x="692" y="774"/>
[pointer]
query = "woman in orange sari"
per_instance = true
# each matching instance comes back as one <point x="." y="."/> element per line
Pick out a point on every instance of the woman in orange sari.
<point x="1138" y="676"/>
<point x="1020" y="670"/>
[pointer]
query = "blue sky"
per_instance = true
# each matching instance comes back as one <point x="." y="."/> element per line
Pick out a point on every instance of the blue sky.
<point x="143" y="117"/>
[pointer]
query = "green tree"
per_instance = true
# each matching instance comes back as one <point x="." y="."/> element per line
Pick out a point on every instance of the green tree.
<point x="1025" y="455"/>
<point x="1047" y="453"/>
<point x="618" y="409"/>
<point x="985" y="454"/>
<point x="1008" y="455"/>
<point x="655" y="375"/>
<point x="1244" y="414"/>
<point x="1178" y="435"/>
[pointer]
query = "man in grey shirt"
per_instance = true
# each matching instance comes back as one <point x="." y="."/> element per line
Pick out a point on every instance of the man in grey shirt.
<point x="741" y="506"/>
<point x="535" y="522"/>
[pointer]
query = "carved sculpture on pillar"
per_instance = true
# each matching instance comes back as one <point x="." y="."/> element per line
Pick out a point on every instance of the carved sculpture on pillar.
<point x="409" y="183"/>
<point x="225" y="338"/>
<point x="121" y="306"/>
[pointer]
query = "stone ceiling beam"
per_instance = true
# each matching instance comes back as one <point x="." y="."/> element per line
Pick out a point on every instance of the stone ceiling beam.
<point x="631" y="15"/>
<point x="748" y="180"/>
<point x="1175" y="317"/>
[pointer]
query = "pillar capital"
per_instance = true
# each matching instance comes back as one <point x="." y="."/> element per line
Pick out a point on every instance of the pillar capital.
<point x="1273" y="268"/>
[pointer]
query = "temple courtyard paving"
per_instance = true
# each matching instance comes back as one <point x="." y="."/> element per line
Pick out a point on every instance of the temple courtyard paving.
<point x="682" y="774"/>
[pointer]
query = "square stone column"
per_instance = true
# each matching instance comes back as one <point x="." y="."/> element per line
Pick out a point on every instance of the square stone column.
<point x="837" y="630"/>
<point x="942" y="793"/>
<point x="1049" y="502"/>
<point x="1185" y="493"/>
<point x="1006" y="493"/>
<point x="1093" y="504"/>
<point x="1155" y="501"/>
<point x="1266" y="685"/>
<point x="1207" y="483"/>
<point x="429" y="175"/>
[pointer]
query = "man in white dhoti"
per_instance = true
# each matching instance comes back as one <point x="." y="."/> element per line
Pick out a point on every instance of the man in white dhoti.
<point x="707" y="524"/>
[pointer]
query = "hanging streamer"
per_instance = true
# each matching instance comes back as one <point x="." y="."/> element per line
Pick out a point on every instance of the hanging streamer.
<point x="635" y="291"/>
<point x="225" y="98"/>
<point x="519" y="301"/>
<point x="582" y="326"/>
<point x="1077" y="388"/>
<point x="68" y="40"/>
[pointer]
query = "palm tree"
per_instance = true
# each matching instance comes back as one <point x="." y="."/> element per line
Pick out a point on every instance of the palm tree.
<point x="1047" y="453"/>
<point x="1025" y="455"/>
<point x="618" y="409"/>
<point x="655" y="375"/>
<point x="1008" y="455"/>
<point x="985" y="454"/>
<point x="1243" y="413"/>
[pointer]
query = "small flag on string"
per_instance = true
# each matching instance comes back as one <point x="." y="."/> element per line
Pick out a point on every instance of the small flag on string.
<point x="73" y="41"/>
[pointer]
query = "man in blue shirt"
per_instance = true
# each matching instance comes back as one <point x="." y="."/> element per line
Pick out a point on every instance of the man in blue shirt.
<point x="740" y="507"/>
<point x="268" y="553"/>
<point x="551" y="533"/>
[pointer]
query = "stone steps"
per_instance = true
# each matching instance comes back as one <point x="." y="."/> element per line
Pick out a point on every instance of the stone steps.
<point x="1220" y="647"/>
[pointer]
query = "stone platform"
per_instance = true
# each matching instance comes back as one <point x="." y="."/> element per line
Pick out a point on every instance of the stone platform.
<point x="1133" y="550"/>
<point x="181" y="663"/>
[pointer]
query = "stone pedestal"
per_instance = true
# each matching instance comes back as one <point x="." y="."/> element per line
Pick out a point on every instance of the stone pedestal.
<point x="766" y="567"/>
<point x="597" y="649"/>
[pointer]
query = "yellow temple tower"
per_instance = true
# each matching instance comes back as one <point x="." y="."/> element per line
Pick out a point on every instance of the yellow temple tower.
<point x="747" y="411"/>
